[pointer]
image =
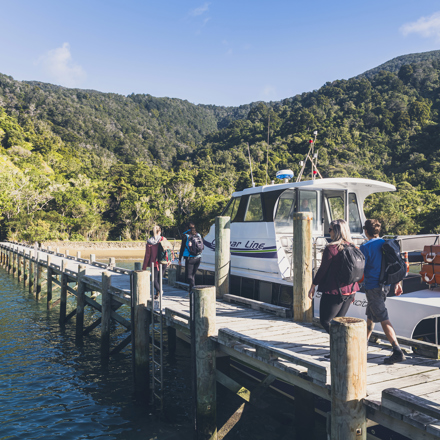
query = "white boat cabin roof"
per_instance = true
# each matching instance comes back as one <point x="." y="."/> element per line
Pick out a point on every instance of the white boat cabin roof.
<point x="363" y="187"/>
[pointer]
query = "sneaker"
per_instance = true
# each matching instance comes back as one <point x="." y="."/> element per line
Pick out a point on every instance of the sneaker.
<point x="396" y="356"/>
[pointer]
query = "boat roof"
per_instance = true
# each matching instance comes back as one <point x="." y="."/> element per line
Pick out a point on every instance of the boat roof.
<point x="362" y="187"/>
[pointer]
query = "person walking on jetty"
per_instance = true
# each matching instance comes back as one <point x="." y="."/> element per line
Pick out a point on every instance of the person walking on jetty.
<point x="153" y="247"/>
<point x="183" y="251"/>
<point x="192" y="243"/>
<point x="335" y="299"/>
<point x="377" y="293"/>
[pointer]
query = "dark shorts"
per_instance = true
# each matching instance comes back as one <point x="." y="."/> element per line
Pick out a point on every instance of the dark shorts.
<point x="376" y="310"/>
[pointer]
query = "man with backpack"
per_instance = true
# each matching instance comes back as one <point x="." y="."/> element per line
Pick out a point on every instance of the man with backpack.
<point x="183" y="251"/>
<point x="192" y="245"/>
<point x="376" y="291"/>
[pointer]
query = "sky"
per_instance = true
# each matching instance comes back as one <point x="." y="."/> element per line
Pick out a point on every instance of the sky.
<point x="220" y="52"/>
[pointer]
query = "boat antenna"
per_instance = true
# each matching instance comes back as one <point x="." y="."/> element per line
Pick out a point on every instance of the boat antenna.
<point x="267" y="151"/>
<point x="313" y="157"/>
<point x="250" y="164"/>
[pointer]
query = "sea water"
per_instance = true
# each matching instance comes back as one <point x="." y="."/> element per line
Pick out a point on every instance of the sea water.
<point x="51" y="388"/>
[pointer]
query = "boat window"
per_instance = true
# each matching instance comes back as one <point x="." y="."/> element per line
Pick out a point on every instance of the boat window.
<point x="284" y="213"/>
<point x="232" y="208"/>
<point x="254" y="212"/>
<point x="336" y="208"/>
<point x="354" y="218"/>
<point x="309" y="202"/>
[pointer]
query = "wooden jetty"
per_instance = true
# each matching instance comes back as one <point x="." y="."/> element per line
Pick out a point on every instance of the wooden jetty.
<point x="362" y="390"/>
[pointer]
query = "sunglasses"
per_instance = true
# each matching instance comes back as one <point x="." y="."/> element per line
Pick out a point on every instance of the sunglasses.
<point x="330" y="229"/>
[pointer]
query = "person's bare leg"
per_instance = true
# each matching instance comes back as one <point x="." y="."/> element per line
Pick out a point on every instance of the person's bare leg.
<point x="389" y="332"/>
<point x="370" y="327"/>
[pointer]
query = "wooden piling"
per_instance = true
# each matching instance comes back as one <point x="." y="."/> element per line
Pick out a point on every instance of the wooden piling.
<point x="80" y="303"/>
<point x="172" y="276"/>
<point x="203" y="313"/>
<point x="49" y="285"/>
<point x="348" y="361"/>
<point x="141" y="334"/>
<point x="63" y="294"/>
<point x="302" y="266"/>
<point x="26" y="264"/>
<point x="19" y="266"/>
<point x="137" y="266"/>
<point x="111" y="262"/>
<point x="105" y="315"/>
<point x="10" y="260"/>
<point x="31" y="272"/>
<point x="92" y="258"/>
<point x="14" y="263"/>
<point x="78" y="255"/>
<point x="39" y="277"/>
<point x="222" y="255"/>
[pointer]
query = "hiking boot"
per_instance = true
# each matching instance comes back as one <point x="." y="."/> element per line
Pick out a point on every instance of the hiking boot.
<point x="396" y="356"/>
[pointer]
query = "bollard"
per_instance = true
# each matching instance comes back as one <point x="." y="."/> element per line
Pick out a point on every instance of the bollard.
<point x="80" y="303"/>
<point x="302" y="266"/>
<point x="348" y="361"/>
<point x="49" y="274"/>
<point x="202" y="312"/>
<point x="63" y="294"/>
<point x="222" y="255"/>
<point x="172" y="276"/>
<point x="141" y="337"/>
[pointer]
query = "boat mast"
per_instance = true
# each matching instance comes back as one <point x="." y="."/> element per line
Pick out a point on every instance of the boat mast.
<point x="250" y="164"/>
<point x="313" y="157"/>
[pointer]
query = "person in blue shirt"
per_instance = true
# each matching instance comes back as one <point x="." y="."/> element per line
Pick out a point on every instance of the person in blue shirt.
<point x="377" y="293"/>
<point x="192" y="261"/>
<point x="184" y="251"/>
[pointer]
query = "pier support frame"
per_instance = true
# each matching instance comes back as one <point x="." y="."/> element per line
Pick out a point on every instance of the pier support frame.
<point x="105" y="316"/>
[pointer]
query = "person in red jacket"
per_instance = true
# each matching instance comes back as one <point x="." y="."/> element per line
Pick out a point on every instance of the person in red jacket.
<point x="151" y="254"/>
<point x="333" y="304"/>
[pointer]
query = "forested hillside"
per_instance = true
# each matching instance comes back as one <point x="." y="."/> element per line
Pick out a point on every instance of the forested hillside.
<point x="79" y="164"/>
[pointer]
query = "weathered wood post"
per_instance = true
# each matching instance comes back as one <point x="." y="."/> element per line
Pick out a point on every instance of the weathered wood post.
<point x="66" y="252"/>
<point x="49" y="275"/>
<point x="26" y="264"/>
<point x="14" y="262"/>
<point x="111" y="262"/>
<point x="302" y="266"/>
<point x="63" y="294"/>
<point x="105" y="315"/>
<point x="80" y="303"/>
<point x="203" y="320"/>
<point x="78" y="255"/>
<point x="172" y="276"/>
<point x="222" y="255"/>
<point x="141" y="334"/>
<point x="20" y="264"/>
<point x="348" y="361"/>
<point x="92" y="258"/>
<point x="137" y="266"/>
<point x="31" y="271"/>
<point x="10" y="259"/>
<point x="39" y="277"/>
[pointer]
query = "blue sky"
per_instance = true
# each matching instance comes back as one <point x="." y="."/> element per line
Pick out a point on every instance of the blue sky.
<point x="219" y="52"/>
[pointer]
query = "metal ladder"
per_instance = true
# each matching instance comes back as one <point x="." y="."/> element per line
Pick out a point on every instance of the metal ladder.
<point x="156" y="335"/>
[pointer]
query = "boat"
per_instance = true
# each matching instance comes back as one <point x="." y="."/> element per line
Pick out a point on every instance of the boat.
<point x="262" y="245"/>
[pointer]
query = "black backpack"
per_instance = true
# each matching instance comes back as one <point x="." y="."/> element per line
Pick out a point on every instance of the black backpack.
<point x="352" y="266"/>
<point x="393" y="269"/>
<point x="195" y="245"/>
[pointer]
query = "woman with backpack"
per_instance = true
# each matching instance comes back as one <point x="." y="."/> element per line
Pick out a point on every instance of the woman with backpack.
<point x="153" y="254"/>
<point x="192" y="245"/>
<point x="335" y="299"/>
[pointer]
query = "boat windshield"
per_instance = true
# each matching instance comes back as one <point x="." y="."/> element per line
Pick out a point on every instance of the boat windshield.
<point x="232" y="208"/>
<point x="284" y="214"/>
